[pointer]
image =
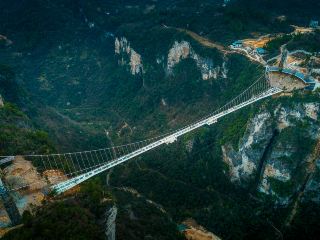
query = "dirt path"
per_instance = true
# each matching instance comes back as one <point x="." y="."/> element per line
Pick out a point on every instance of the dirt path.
<point x="210" y="44"/>
<point x="202" y="40"/>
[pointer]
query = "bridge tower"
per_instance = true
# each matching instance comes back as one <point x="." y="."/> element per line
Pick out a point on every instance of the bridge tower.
<point x="9" y="205"/>
<point x="111" y="216"/>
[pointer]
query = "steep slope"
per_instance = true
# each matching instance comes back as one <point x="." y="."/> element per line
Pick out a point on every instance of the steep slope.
<point x="94" y="67"/>
<point x="19" y="135"/>
<point x="86" y="84"/>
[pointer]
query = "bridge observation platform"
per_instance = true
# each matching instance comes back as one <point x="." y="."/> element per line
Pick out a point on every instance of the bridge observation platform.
<point x="289" y="80"/>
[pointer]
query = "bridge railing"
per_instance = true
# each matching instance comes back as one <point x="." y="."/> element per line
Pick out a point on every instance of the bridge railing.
<point x="253" y="94"/>
<point x="63" y="171"/>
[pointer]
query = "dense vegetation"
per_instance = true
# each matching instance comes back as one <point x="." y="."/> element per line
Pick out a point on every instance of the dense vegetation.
<point x="308" y="42"/>
<point x="75" y="218"/>
<point x="138" y="219"/>
<point x="102" y="95"/>
<point x="18" y="136"/>
<point x="61" y="220"/>
<point x="63" y="77"/>
<point x="171" y="177"/>
<point x="305" y="226"/>
<point x="83" y="217"/>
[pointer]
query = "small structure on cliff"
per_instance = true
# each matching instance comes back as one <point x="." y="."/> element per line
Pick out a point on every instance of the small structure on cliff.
<point x="261" y="51"/>
<point x="289" y="80"/>
<point x="237" y="44"/>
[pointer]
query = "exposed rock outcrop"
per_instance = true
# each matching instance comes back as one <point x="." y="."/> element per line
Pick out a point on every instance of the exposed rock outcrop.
<point x="183" y="50"/>
<point x="312" y="187"/>
<point x="312" y="110"/>
<point x="128" y="56"/>
<point x="21" y="174"/>
<point x="1" y="102"/>
<point x="189" y="145"/>
<point x="179" y="51"/>
<point x="194" y="231"/>
<point x="287" y="117"/>
<point x="278" y="161"/>
<point x="244" y="162"/>
<point x="4" y="40"/>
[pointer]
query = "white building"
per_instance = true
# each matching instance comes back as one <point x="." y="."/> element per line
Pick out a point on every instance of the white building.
<point x="314" y="24"/>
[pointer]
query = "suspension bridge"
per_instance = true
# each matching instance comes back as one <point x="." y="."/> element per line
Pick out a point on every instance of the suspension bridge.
<point x="77" y="167"/>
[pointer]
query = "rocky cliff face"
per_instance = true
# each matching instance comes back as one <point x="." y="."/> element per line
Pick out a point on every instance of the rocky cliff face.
<point x="275" y="149"/>
<point x="1" y="102"/>
<point x="128" y="56"/>
<point x="182" y="50"/>
<point x="245" y="161"/>
<point x="179" y="51"/>
<point x="312" y="189"/>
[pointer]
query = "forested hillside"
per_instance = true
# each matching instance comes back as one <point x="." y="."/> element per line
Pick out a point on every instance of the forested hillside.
<point x="79" y="75"/>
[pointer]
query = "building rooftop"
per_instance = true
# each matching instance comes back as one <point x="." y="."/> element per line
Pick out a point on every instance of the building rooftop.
<point x="182" y="227"/>
<point x="261" y="50"/>
<point x="314" y="24"/>
<point x="237" y="42"/>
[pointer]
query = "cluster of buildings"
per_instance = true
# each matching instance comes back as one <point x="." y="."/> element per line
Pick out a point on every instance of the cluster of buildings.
<point x="253" y="49"/>
<point x="239" y="44"/>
